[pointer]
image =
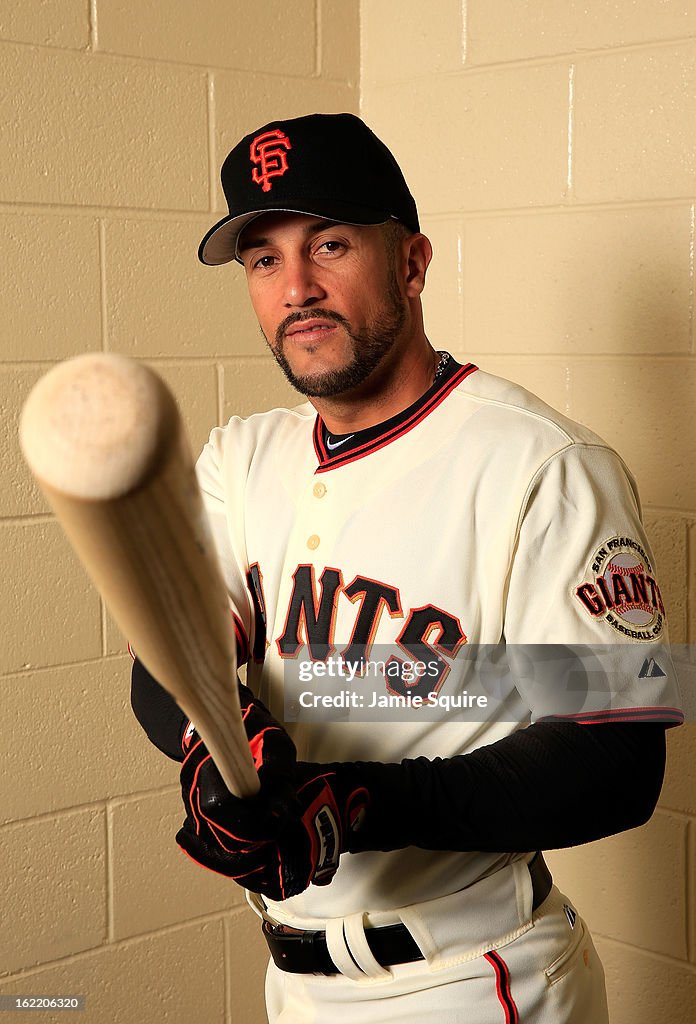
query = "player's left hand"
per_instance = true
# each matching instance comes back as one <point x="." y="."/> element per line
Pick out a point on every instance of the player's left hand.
<point x="291" y="834"/>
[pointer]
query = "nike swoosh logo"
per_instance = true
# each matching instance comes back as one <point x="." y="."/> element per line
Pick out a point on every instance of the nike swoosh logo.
<point x="338" y="443"/>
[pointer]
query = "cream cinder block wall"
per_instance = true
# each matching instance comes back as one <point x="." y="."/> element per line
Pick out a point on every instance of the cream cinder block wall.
<point x="116" y="115"/>
<point x="550" y="146"/>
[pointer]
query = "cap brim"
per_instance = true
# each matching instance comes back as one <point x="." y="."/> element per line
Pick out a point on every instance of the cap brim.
<point x="220" y="243"/>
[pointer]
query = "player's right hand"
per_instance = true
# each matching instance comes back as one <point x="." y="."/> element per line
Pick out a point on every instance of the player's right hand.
<point x="218" y="825"/>
<point x="272" y="748"/>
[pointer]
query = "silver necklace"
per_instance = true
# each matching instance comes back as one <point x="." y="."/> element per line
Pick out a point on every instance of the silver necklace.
<point x="444" y="358"/>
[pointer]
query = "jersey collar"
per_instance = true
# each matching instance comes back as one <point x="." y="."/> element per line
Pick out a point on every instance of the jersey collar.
<point x="334" y="450"/>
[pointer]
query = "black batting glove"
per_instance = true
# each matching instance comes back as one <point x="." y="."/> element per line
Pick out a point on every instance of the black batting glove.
<point x="274" y="756"/>
<point x="272" y="749"/>
<point x="279" y="842"/>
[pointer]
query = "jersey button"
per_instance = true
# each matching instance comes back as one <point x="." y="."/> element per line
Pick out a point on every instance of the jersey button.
<point x="319" y="490"/>
<point x="313" y="542"/>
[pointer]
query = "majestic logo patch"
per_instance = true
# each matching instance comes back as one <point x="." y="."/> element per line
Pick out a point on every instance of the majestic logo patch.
<point x="570" y="914"/>
<point x="650" y="670"/>
<point x="621" y="589"/>
<point x="267" y="151"/>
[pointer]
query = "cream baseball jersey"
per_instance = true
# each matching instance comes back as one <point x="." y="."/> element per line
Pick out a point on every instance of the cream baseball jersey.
<point x="478" y="517"/>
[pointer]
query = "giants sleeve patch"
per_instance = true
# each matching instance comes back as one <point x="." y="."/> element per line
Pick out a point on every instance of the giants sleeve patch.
<point x="620" y="587"/>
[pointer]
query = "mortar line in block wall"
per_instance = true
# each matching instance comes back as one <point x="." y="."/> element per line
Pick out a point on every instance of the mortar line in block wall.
<point x="692" y="272"/>
<point x="103" y="621"/>
<point x="664" y="958"/>
<point x="571" y="117"/>
<point x="144" y="213"/>
<point x="147" y="61"/>
<point x="688" y="895"/>
<point x="162" y="361"/>
<point x="82" y="663"/>
<point x="168" y="789"/>
<point x="675" y="815"/>
<point x="555" y="208"/>
<point x="40" y="519"/>
<point x="109" y="866"/>
<point x="92" y="806"/>
<point x="689" y="576"/>
<point x="212" y="157"/>
<point x="567" y="390"/>
<point x="93" y="26"/>
<point x="220" y="379"/>
<point x="539" y="60"/>
<point x="227" y="968"/>
<point x="118" y="944"/>
<point x="671" y="510"/>
<point x="318" y="41"/>
<point x="102" y="286"/>
<point x="674" y="812"/>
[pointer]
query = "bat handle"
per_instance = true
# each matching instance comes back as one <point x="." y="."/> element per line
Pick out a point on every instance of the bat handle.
<point x="222" y="740"/>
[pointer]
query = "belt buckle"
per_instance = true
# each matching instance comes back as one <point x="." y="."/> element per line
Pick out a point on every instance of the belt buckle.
<point x="304" y="940"/>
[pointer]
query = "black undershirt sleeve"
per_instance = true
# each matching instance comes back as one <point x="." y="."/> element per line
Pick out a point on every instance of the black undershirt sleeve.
<point x="157" y="712"/>
<point x="552" y="785"/>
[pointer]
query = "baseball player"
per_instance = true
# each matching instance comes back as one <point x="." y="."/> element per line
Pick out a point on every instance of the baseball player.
<point x="447" y="609"/>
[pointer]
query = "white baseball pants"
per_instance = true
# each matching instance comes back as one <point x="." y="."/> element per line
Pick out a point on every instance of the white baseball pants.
<point x="546" y="973"/>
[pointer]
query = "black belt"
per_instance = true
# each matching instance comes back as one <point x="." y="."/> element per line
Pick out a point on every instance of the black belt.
<point x="306" y="952"/>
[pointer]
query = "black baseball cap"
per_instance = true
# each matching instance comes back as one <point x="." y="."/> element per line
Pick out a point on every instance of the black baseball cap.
<point x="325" y="165"/>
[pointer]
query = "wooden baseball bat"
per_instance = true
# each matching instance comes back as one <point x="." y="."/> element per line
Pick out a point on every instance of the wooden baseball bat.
<point x="103" y="436"/>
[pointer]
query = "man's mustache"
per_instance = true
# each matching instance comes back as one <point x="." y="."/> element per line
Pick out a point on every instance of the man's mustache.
<point x="315" y="313"/>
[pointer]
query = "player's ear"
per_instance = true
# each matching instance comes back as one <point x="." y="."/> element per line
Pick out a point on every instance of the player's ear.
<point x="419" y="252"/>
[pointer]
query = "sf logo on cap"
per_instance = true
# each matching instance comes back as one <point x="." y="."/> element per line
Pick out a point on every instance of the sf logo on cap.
<point x="268" y="151"/>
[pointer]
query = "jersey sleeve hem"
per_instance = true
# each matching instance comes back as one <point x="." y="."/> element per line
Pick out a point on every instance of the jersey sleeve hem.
<point x="668" y="716"/>
<point x="242" y="639"/>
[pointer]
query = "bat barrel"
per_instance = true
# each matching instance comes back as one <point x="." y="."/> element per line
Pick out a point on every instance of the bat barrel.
<point x="97" y="426"/>
<point x="103" y="436"/>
